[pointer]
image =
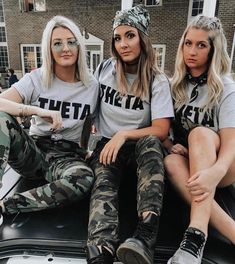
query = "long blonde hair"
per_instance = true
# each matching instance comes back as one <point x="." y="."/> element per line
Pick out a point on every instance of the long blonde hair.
<point x="218" y="62"/>
<point x="82" y="71"/>
<point x="147" y="68"/>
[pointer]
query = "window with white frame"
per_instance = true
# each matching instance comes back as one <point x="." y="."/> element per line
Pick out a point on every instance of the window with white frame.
<point x="153" y="2"/>
<point x="2" y="34"/>
<point x="3" y="57"/>
<point x="94" y="50"/>
<point x="161" y="53"/>
<point x="4" y="61"/>
<point x="195" y="8"/>
<point x="32" y="5"/>
<point x="30" y="57"/>
<point x="1" y="12"/>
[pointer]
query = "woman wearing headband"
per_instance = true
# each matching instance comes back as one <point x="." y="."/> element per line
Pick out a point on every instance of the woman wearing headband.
<point x="134" y="117"/>
<point x="203" y="153"/>
<point x="58" y="96"/>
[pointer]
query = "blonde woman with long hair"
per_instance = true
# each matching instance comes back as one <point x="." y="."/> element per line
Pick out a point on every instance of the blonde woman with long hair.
<point x="59" y="95"/>
<point x="203" y="152"/>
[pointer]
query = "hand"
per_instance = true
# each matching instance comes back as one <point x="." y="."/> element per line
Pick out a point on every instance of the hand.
<point x="179" y="149"/>
<point x="110" y="150"/>
<point x="51" y="116"/>
<point x="203" y="183"/>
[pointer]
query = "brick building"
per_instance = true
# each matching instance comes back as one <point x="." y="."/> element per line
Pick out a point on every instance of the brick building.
<point x="22" y="23"/>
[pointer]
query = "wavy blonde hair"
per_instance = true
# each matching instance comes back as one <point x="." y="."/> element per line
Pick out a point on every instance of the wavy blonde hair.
<point x="82" y="71"/>
<point x="218" y="63"/>
<point x="147" y="68"/>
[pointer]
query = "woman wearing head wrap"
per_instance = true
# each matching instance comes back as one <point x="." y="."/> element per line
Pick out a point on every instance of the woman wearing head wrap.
<point x="203" y="153"/>
<point x="58" y="96"/>
<point x="134" y="117"/>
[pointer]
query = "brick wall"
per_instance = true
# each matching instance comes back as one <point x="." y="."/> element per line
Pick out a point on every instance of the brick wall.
<point x="226" y="12"/>
<point x="167" y="23"/>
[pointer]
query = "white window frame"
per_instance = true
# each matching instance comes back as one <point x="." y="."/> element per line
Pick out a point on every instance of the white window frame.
<point x="190" y="10"/>
<point x="4" y="44"/>
<point x="23" y="8"/>
<point x="94" y="53"/>
<point x="22" y="46"/>
<point x="90" y="41"/>
<point x="157" y="3"/>
<point x="161" y="54"/>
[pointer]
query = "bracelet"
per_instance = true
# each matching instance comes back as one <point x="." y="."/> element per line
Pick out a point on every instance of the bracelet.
<point x="24" y="111"/>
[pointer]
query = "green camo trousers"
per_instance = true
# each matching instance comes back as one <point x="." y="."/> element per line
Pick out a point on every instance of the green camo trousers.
<point x="61" y="164"/>
<point x="103" y="219"/>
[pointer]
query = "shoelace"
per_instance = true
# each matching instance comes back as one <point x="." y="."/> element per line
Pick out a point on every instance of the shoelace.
<point x="193" y="243"/>
<point x="144" y="231"/>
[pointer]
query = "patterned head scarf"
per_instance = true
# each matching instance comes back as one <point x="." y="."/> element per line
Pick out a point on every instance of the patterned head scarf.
<point x="137" y="17"/>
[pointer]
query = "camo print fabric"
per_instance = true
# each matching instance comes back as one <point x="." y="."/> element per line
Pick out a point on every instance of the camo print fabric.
<point x="103" y="219"/>
<point x="61" y="164"/>
<point x="137" y="17"/>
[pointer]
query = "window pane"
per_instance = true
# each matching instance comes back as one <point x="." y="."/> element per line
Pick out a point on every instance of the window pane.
<point x="39" y="57"/>
<point x="197" y="7"/>
<point x="160" y="52"/>
<point x="3" y="57"/>
<point x="29" y="59"/>
<point x="151" y="2"/>
<point x="2" y="34"/>
<point x="40" y="5"/>
<point x="30" y="5"/>
<point x="1" y="12"/>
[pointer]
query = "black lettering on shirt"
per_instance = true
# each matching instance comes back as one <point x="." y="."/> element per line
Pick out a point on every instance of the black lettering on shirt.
<point x="65" y="110"/>
<point x="68" y="110"/>
<point x="196" y="116"/>
<point x="42" y="102"/>
<point x="54" y="105"/>
<point x="113" y="97"/>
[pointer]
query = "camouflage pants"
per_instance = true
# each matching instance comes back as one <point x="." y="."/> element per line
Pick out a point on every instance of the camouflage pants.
<point x="103" y="219"/>
<point x="61" y="164"/>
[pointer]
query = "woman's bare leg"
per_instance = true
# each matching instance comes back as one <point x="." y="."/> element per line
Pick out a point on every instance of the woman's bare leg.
<point x="218" y="217"/>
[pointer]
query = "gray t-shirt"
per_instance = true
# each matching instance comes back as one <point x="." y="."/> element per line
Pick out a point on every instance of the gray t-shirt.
<point x="192" y="115"/>
<point x="73" y="100"/>
<point x="129" y="112"/>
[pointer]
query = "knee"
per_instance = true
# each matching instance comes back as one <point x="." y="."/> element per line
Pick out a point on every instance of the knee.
<point x="199" y="135"/>
<point x="81" y="181"/>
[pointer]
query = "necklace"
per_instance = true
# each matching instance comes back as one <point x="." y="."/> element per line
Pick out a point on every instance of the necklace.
<point x="200" y="80"/>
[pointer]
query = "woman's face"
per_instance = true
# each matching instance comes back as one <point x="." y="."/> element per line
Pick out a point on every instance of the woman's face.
<point x="64" y="47"/>
<point x="196" y="49"/>
<point x="127" y="43"/>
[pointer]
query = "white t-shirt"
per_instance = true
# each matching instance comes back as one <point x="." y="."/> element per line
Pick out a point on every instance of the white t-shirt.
<point x="129" y="112"/>
<point x="73" y="100"/>
<point x="192" y="115"/>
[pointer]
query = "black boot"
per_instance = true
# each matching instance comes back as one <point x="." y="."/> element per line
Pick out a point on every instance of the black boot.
<point x="96" y="256"/>
<point x="140" y="248"/>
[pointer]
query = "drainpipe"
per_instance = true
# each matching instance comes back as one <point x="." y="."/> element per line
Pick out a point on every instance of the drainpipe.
<point x="232" y="51"/>
<point x="126" y="4"/>
<point x="209" y="8"/>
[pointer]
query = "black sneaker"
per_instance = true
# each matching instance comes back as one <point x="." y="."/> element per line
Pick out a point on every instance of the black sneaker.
<point x="140" y="248"/>
<point x="96" y="256"/>
<point x="191" y="248"/>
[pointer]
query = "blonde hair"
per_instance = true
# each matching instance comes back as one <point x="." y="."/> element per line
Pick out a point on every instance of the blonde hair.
<point x="82" y="71"/>
<point x="218" y="63"/>
<point x="147" y="68"/>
